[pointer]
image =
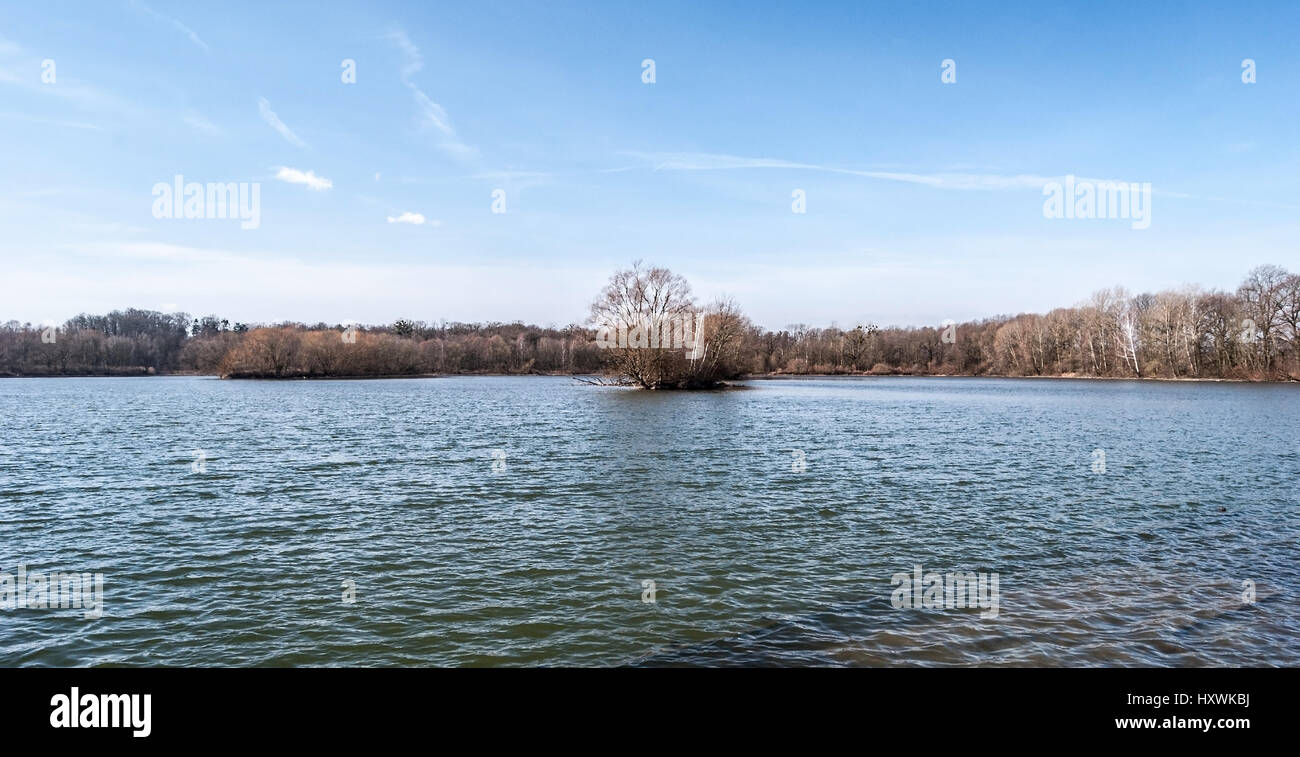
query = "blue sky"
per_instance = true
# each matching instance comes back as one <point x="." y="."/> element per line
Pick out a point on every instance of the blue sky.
<point x="924" y="199"/>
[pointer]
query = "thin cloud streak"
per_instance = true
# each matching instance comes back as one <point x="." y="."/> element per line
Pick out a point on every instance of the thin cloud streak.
<point x="52" y="122"/>
<point x="959" y="181"/>
<point x="202" y="125"/>
<point x="950" y="180"/>
<point x="182" y="28"/>
<point x="269" y="116"/>
<point x="431" y="113"/>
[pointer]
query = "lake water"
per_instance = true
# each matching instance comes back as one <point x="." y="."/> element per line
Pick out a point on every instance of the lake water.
<point x="237" y="554"/>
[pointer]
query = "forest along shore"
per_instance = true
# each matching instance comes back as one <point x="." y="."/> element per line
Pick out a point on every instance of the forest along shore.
<point x="1252" y="334"/>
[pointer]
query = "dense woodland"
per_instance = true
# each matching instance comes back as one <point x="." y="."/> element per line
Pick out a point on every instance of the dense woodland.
<point x="1250" y="333"/>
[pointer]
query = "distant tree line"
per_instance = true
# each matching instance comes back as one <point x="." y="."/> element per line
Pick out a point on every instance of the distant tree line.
<point x="405" y="348"/>
<point x="124" y="342"/>
<point x="1251" y="333"/>
<point x="141" y="342"/>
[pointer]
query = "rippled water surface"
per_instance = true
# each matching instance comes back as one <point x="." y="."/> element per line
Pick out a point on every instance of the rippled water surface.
<point x="390" y="484"/>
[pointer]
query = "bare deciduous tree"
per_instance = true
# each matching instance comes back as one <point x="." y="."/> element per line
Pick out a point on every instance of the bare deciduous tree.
<point x="656" y="336"/>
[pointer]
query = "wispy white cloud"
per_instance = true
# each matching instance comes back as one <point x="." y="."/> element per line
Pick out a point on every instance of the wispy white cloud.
<point x="43" y="192"/>
<point x="510" y="175"/>
<point x="109" y="228"/>
<point x="182" y="28"/>
<point x="200" y="124"/>
<point x="415" y="219"/>
<point x="431" y="114"/>
<point x="412" y="60"/>
<point x="52" y="122"/>
<point x="696" y="161"/>
<point x="28" y="77"/>
<point x="714" y="162"/>
<point x="269" y="116"/>
<point x="940" y="180"/>
<point x="308" y="178"/>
